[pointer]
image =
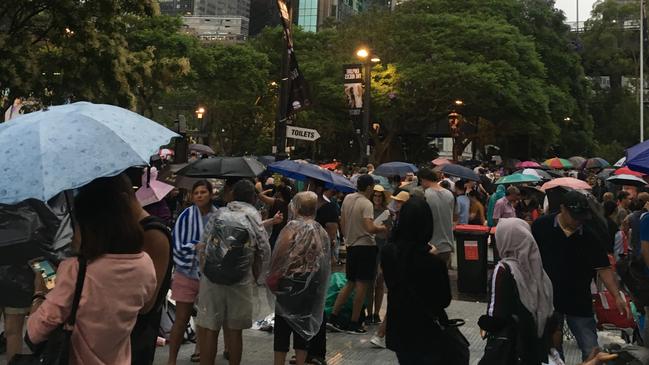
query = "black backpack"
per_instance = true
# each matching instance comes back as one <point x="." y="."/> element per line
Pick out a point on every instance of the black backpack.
<point x="227" y="254"/>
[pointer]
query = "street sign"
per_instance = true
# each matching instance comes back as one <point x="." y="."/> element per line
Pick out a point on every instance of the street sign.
<point x="304" y="134"/>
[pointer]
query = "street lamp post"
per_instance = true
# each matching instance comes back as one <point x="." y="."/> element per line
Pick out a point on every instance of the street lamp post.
<point x="364" y="55"/>
<point x="200" y="113"/>
<point x="454" y="124"/>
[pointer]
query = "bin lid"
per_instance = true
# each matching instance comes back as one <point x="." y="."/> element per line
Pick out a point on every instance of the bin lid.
<point x="471" y="228"/>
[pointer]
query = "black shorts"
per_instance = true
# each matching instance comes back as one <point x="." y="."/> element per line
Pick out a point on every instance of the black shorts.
<point x="361" y="263"/>
<point x="282" y="336"/>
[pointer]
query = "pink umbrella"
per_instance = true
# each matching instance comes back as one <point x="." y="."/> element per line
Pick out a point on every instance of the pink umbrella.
<point x="152" y="190"/>
<point x="441" y="161"/>
<point x="566" y="182"/>
<point x="527" y="164"/>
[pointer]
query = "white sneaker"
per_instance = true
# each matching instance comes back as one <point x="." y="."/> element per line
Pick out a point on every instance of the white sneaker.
<point x="378" y="341"/>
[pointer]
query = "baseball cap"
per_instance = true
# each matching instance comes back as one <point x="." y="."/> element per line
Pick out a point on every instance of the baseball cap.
<point x="577" y="205"/>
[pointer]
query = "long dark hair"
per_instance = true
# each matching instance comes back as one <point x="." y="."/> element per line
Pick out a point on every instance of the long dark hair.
<point x="415" y="227"/>
<point x="106" y="220"/>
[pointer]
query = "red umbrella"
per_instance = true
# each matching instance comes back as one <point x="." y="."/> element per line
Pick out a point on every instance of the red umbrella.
<point x="331" y="165"/>
<point x="627" y="171"/>
<point x="566" y="182"/>
<point x="441" y="161"/>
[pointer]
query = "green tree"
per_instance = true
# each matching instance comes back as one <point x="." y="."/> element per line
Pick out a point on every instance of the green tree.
<point x="611" y="51"/>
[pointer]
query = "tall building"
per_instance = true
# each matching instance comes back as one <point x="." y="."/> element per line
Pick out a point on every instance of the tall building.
<point x="222" y="7"/>
<point x="217" y="28"/>
<point x="263" y="13"/>
<point x="220" y="20"/>
<point x="176" y="7"/>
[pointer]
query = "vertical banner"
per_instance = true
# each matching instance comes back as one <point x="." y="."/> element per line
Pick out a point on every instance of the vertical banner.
<point x="353" y="81"/>
<point x="298" y="94"/>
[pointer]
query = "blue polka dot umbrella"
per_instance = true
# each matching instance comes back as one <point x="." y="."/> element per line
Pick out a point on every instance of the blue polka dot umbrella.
<point x="65" y="147"/>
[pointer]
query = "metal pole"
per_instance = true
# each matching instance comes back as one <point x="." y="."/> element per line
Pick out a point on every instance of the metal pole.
<point x="279" y="148"/>
<point x="366" y="111"/>
<point x="577" y="21"/>
<point x="641" y="70"/>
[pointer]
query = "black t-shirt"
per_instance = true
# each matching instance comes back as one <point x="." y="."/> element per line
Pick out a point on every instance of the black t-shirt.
<point x="570" y="262"/>
<point x="327" y="213"/>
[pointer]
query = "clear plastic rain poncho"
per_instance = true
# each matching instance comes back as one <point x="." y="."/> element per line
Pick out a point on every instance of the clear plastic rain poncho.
<point x="299" y="273"/>
<point x="235" y="242"/>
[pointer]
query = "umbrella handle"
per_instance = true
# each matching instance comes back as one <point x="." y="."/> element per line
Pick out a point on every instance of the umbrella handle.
<point x="148" y="176"/>
<point x="69" y="209"/>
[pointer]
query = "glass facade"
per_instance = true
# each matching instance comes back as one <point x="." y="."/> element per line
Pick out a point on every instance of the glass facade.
<point x="307" y="15"/>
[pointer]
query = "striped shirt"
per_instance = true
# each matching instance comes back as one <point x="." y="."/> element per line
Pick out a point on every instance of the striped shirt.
<point x="187" y="233"/>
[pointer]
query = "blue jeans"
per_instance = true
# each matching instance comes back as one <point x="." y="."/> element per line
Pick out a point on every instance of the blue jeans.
<point x="418" y="358"/>
<point x="585" y="331"/>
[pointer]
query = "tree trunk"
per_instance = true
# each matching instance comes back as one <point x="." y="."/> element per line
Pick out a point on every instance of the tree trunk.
<point x="381" y="147"/>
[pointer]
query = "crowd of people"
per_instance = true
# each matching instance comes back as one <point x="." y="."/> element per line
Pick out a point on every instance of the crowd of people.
<point x="213" y="249"/>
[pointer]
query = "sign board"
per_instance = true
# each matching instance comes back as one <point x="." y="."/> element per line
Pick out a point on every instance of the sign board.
<point x="304" y="134"/>
<point x="353" y="81"/>
<point x="471" y="250"/>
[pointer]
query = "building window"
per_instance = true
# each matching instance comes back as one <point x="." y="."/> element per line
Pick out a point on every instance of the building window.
<point x="308" y="15"/>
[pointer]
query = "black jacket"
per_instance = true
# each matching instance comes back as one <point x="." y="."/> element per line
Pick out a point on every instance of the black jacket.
<point x="418" y="291"/>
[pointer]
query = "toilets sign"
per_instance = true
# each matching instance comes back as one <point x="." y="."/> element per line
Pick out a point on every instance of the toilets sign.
<point x="304" y="134"/>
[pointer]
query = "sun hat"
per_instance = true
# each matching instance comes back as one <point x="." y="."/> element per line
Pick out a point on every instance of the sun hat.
<point x="403" y="196"/>
<point x="386" y="194"/>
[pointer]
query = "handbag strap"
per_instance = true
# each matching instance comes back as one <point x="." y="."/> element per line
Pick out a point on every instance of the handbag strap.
<point x="81" y="276"/>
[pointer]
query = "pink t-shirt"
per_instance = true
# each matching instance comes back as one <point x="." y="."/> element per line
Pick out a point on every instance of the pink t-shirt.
<point x="115" y="289"/>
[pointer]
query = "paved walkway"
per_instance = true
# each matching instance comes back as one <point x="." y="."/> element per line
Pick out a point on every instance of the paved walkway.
<point x="346" y="349"/>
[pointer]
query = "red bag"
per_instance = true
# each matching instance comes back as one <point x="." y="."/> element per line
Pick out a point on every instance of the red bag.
<point x="607" y="313"/>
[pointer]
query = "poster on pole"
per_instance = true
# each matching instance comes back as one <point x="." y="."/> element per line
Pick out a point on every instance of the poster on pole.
<point x="353" y="81"/>
<point x="298" y="95"/>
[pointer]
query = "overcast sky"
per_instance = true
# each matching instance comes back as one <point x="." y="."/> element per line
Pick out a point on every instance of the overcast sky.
<point x="569" y="7"/>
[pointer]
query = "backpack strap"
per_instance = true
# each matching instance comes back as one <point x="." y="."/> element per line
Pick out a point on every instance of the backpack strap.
<point x="81" y="276"/>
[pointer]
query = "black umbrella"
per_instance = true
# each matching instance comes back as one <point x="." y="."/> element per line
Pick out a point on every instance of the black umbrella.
<point x="201" y="148"/>
<point x="223" y="167"/>
<point x="458" y="171"/>
<point x="266" y="160"/>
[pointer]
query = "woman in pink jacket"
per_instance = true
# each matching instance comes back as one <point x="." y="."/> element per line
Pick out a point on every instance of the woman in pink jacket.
<point x="120" y="279"/>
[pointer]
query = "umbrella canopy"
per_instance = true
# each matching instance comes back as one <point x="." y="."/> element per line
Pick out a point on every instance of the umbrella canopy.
<point x="266" y="160"/>
<point x="620" y="162"/>
<point x="223" y="167"/>
<point x="594" y="163"/>
<point x="383" y="181"/>
<point x="303" y="170"/>
<point x="527" y="164"/>
<point x="152" y="190"/>
<point x="637" y="157"/>
<point x="201" y="148"/>
<point x="518" y="179"/>
<point x="441" y="161"/>
<point x="536" y="172"/>
<point x="68" y="146"/>
<point x="458" y="171"/>
<point x="330" y="165"/>
<point x="627" y="171"/>
<point x="626" y="180"/>
<point x="558" y="163"/>
<point x="605" y="173"/>
<point x="577" y="160"/>
<point x="395" y="168"/>
<point x="566" y="182"/>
